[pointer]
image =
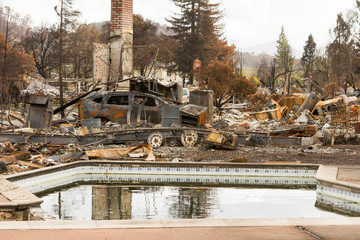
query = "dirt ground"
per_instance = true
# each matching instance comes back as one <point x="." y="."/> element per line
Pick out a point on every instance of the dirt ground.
<point x="315" y="154"/>
<point x="38" y="156"/>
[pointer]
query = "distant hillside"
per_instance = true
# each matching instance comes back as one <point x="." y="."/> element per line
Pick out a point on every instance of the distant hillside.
<point x="164" y="29"/>
<point x="268" y="48"/>
<point x="251" y="60"/>
<point x="98" y="25"/>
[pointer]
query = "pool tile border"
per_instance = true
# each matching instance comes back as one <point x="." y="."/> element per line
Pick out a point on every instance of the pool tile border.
<point x="162" y="173"/>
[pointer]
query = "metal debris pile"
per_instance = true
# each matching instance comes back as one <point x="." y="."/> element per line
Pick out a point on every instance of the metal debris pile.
<point x="330" y="121"/>
<point x="129" y="125"/>
<point x="24" y="157"/>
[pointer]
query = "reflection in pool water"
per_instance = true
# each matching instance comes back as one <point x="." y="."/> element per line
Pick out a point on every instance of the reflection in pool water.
<point x="114" y="203"/>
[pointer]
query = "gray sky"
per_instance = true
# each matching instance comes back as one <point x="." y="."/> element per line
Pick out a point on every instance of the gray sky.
<point x="247" y="23"/>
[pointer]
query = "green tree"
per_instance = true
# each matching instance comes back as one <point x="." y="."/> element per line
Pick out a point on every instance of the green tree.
<point x="197" y="29"/>
<point x="308" y="56"/>
<point x="67" y="17"/>
<point x="283" y="58"/>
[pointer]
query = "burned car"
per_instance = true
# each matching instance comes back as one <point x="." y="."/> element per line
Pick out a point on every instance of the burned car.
<point x="122" y="107"/>
<point x="135" y="107"/>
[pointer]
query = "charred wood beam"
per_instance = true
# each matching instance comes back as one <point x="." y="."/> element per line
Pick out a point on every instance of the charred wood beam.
<point x="15" y="157"/>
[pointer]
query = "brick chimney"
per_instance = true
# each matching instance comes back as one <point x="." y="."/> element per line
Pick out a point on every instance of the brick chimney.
<point x="121" y="41"/>
<point x="121" y="16"/>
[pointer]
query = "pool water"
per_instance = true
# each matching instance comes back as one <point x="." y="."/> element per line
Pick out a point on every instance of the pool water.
<point x="98" y="202"/>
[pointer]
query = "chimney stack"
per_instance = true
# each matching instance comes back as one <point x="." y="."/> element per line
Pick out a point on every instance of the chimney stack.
<point x="121" y="41"/>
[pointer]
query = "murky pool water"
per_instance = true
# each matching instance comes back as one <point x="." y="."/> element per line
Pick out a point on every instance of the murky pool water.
<point x="114" y="203"/>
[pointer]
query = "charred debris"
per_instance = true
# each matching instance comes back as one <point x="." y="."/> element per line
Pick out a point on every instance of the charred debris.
<point x="128" y="125"/>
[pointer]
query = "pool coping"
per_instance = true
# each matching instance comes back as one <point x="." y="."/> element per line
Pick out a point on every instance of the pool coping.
<point x="335" y="193"/>
<point x="16" y="197"/>
<point x="52" y="169"/>
<point x="162" y="173"/>
<point x="329" y="175"/>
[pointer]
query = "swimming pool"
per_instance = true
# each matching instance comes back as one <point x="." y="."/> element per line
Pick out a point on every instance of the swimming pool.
<point x="101" y="202"/>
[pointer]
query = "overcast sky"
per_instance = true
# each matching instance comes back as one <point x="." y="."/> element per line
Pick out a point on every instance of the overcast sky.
<point x="247" y="23"/>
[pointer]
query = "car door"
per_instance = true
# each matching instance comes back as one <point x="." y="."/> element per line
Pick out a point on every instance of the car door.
<point x="116" y="107"/>
<point x="146" y="108"/>
<point x="91" y="106"/>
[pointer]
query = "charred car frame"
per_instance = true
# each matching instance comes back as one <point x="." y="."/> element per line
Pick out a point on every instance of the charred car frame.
<point x="135" y="107"/>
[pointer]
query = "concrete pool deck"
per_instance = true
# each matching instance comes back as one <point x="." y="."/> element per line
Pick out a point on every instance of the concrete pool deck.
<point x="15" y="202"/>
<point x="345" y="228"/>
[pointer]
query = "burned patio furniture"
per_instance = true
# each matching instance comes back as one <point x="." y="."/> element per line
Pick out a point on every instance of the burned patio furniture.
<point x="222" y="140"/>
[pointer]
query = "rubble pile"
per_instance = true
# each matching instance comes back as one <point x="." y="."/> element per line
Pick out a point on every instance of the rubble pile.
<point x="149" y="123"/>
<point x="25" y="157"/>
<point x="336" y="118"/>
